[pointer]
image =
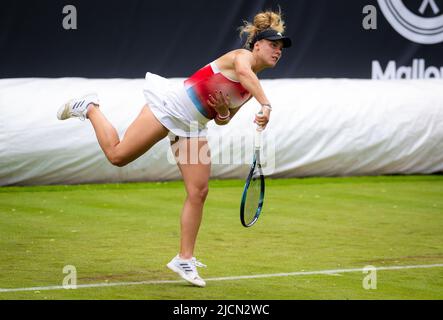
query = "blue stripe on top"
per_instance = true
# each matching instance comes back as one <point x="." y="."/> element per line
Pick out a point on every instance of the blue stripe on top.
<point x="193" y="96"/>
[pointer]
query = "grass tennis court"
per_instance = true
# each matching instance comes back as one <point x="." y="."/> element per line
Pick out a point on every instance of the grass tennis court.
<point x="128" y="232"/>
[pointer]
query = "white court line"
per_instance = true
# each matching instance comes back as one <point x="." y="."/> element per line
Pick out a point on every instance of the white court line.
<point x="256" y="276"/>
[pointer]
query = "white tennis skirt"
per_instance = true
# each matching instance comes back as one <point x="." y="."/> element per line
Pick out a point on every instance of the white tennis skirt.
<point x="172" y="106"/>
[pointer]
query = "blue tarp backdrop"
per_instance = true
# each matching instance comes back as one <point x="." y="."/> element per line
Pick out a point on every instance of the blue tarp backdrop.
<point x="123" y="39"/>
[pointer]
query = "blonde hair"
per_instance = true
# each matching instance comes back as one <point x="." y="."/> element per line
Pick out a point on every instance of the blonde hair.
<point x="262" y="21"/>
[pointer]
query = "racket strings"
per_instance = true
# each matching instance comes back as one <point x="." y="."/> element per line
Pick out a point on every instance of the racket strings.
<point x="252" y="198"/>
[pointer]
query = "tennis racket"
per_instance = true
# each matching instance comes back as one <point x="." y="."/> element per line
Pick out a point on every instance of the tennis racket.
<point x="254" y="190"/>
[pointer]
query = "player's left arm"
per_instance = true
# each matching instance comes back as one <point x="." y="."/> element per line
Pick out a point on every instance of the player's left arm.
<point x="224" y="101"/>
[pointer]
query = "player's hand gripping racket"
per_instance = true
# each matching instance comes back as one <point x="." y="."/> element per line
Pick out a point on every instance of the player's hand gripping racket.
<point x="254" y="190"/>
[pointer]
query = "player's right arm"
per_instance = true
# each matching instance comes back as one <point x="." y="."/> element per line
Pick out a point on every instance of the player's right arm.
<point x="243" y="64"/>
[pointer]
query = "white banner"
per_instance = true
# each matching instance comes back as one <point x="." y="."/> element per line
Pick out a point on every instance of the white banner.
<point x="321" y="127"/>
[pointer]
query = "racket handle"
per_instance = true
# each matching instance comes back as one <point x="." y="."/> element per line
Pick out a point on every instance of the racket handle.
<point x="257" y="135"/>
<point x="259" y="128"/>
<point x="257" y="139"/>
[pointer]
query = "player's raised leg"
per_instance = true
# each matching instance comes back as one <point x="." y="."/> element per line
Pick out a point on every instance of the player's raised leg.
<point x="141" y="135"/>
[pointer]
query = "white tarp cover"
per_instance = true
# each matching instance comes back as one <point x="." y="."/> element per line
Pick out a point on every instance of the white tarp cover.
<point x="319" y="127"/>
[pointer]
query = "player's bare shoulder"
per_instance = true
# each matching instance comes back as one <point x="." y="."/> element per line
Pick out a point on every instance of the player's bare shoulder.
<point x="243" y="53"/>
<point x="226" y="61"/>
<point x="231" y="56"/>
<point x="243" y="60"/>
<point x="243" y="56"/>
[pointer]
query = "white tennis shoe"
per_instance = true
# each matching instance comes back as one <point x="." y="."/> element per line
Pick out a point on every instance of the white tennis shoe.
<point x="187" y="269"/>
<point x="77" y="107"/>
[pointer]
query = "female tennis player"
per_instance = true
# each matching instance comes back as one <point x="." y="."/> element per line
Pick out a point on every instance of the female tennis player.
<point x="215" y="92"/>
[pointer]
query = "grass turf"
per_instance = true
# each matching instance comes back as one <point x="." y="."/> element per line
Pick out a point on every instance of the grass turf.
<point x="128" y="232"/>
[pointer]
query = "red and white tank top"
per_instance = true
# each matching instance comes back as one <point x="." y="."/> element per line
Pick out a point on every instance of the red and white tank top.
<point x="208" y="80"/>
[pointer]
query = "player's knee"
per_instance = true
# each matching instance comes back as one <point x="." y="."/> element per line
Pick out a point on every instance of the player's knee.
<point x="198" y="193"/>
